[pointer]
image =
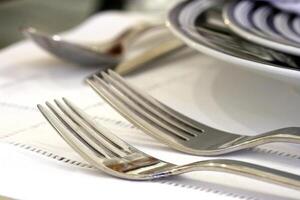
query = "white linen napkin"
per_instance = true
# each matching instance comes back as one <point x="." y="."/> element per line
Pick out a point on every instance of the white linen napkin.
<point x="37" y="164"/>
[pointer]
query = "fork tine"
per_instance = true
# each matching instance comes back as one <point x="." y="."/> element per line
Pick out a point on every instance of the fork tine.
<point x="78" y="131"/>
<point x="104" y="132"/>
<point x="155" y="110"/>
<point x="91" y="134"/>
<point x="156" y="104"/>
<point x="77" y="143"/>
<point x="148" y="115"/>
<point x="135" y="115"/>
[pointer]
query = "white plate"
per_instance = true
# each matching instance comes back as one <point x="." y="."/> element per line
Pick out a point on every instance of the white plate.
<point x="261" y="19"/>
<point x="281" y="21"/>
<point x="291" y="6"/>
<point x="242" y="13"/>
<point x="182" y="21"/>
<point x="296" y="25"/>
<point x="268" y="37"/>
<point x="253" y="20"/>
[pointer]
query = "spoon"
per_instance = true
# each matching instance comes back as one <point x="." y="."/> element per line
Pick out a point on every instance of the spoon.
<point x="107" y="53"/>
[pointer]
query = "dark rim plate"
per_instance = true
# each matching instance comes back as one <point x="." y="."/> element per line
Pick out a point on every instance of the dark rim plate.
<point x="187" y="21"/>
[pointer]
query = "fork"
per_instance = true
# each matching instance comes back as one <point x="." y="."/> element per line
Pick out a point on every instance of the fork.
<point x="108" y="153"/>
<point x="172" y="127"/>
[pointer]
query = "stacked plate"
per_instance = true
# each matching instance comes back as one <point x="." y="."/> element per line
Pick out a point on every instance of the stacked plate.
<point x="263" y="24"/>
<point x="259" y="35"/>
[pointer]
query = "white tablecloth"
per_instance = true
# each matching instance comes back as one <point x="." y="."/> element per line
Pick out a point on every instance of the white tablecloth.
<point x="37" y="164"/>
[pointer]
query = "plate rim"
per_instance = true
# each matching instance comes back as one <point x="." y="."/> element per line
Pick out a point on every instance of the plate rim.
<point x="251" y="36"/>
<point x="173" y="25"/>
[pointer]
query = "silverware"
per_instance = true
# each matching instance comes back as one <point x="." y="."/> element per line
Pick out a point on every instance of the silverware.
<point x="172" y="127"/>
<point x="107" y="152"/>
<point x="110" y="52"/>
<point x="155" y="53"/>
<point x="161" y="50"/>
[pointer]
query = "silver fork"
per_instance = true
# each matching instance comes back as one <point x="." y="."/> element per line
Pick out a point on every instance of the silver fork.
<point x="173" y="128"/>
<point x="107" y="152"/>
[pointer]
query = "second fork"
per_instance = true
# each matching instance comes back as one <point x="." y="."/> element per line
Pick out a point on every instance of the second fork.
<point x="172" y="127"/>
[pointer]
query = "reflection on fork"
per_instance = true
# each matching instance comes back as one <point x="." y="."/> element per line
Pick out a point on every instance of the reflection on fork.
<point x="107" y="152"/>
<point x="173" y="128"/>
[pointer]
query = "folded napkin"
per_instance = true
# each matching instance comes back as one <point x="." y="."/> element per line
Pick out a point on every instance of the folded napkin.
<point x="37" y="164"/>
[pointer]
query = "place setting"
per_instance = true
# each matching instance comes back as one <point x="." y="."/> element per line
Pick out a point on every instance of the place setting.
<point x="202" y="102"/>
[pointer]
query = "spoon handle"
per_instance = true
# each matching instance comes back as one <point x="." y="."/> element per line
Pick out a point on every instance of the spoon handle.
<point x="162" y="50"/>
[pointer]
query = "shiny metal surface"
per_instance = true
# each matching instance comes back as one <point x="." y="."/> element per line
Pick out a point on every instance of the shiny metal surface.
<point x="106" y="61"/>
<point x="173" y="128"/>
<point x="108" y="53"/>
<point x="107" y="152"/>
<point x="71" y="52"/>
<point x="162" y="50"/>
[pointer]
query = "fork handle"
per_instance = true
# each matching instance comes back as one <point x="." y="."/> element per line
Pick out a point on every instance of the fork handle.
<point x="289" y="135"/>
<point x="162" y="50"/>
<point x="241" y="168"/>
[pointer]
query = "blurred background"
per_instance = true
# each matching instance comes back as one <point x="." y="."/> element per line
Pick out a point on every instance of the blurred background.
<point x="59" y="15"/>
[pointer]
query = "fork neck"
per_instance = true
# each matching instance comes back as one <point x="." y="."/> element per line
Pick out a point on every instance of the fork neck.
<point x="241" y="168"/>
<point x="289" y="135"/>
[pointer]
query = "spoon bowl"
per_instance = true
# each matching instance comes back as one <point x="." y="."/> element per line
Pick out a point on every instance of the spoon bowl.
<point x="73" y="52"/>
<point x="107" y="53"/>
